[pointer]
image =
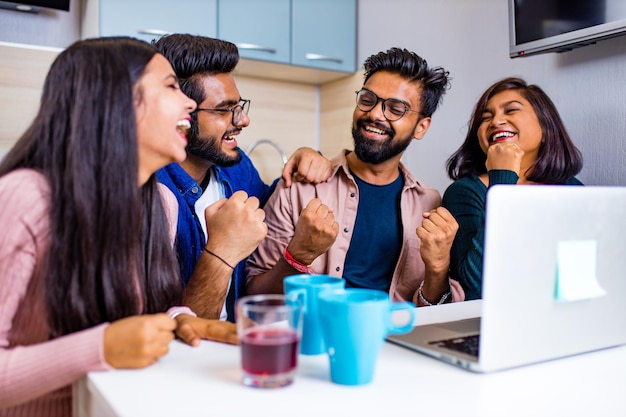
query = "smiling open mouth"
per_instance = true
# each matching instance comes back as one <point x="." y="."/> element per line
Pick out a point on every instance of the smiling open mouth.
<point x="500" y="136"/>
<point x="183" y="127"/>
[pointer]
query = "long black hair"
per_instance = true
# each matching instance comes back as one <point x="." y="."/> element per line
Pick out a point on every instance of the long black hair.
<point x="558" y="159"/>
<point x="110" y="254"/>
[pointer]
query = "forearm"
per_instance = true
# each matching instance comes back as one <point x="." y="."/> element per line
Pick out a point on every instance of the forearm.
<point x="469" y="267"/>
<point x="208" y="286"/>
<point x="271" y="282"/>
<point x="468" y="247"/>
<point x="434" y="288"/>
<point x="467" y="205"/>
<point x="28" y="372"/>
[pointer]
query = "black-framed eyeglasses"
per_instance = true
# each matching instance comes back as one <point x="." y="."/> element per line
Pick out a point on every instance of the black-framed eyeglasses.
<point x="242" y="107"/>
<point x="393" y="109"/>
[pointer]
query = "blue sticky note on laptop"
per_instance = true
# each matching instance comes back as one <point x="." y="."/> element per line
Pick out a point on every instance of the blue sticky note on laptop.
<point x="576" y="271"/>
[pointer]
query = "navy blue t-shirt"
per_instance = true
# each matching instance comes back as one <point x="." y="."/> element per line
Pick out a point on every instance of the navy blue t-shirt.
<point x="377" y="237"/>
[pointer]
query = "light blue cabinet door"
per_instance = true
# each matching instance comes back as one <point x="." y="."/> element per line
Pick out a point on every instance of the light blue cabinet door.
<point x="324" y="34"/>
<point x="260" y="28"/>
<point x="149" y="19"/>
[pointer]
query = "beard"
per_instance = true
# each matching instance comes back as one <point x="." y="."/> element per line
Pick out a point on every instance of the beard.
<point x="209" y="148"/>
<point x="378" y="151"/>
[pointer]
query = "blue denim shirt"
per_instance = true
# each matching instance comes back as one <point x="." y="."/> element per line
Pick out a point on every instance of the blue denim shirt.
<point x="190" y="239"/>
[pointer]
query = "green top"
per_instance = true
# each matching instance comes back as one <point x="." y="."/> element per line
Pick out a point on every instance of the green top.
<point x="465" y="199"/>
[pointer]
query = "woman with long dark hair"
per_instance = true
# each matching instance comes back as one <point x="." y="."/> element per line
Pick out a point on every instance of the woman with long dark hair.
<point x="515" y="136"/>
<point x="88" y="276"/>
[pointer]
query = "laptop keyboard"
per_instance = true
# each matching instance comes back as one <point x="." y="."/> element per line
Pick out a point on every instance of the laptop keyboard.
<point x="466" y="344"/>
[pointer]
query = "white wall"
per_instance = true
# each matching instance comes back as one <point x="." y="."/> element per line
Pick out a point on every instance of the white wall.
<point x="55" y="28"/>
<point x="470" y="39"/>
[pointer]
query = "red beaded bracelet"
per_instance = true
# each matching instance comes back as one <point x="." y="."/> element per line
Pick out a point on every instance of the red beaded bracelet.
<point x="297" y="265"/>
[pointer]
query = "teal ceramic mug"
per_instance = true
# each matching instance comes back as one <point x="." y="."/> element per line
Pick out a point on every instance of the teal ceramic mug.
<point x="355" y="323"/>
<point x="306" y="288"/>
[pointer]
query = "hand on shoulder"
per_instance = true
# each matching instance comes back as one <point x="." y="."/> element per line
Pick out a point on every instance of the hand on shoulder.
<point x="306" y="165"/>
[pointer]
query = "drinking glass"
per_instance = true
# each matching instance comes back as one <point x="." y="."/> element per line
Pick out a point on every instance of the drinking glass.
<point x="269" y="327"/>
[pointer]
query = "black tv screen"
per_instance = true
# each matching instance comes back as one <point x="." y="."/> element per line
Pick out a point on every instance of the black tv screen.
<point x="36" y="4"/>
<point x="540" y="26"/>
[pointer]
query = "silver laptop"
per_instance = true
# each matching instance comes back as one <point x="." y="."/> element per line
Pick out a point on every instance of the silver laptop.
<point x="554" y="280"/>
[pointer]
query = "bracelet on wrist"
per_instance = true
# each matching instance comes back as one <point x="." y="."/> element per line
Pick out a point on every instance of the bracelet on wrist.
<point x="220" y="258"/>
<point x="176" y="311"/>
<point x="295" y="264"/>
<point x="423" y="299"/>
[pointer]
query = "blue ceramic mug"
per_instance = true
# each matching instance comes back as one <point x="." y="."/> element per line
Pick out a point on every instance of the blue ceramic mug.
<point x="307" y="288"/>
<point x="355" y="323"/>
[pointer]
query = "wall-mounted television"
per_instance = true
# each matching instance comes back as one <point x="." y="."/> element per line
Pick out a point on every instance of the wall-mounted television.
<point x="540" y="26"/>
<point x="34" y="6"/>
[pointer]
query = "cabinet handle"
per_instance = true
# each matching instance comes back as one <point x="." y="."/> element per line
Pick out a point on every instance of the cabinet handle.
<point x="157" y="32"/>
<point x="318" y="57"/>
<point x="253" y="47"/>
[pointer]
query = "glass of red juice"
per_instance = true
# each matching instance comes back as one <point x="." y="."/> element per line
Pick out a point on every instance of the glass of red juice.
<point x="269" y="327"/>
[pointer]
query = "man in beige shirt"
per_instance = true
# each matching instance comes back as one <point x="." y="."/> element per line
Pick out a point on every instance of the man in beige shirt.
<point x="371" y="223"/>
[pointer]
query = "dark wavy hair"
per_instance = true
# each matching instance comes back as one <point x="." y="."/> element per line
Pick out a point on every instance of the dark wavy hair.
<point x="434" y="81"/>
<point x="105" y="230"/>
<point x="194" y="57"/>
<point x="558" y="158"/>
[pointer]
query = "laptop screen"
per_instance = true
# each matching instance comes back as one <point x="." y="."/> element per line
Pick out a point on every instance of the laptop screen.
<point x="554" y="272"/>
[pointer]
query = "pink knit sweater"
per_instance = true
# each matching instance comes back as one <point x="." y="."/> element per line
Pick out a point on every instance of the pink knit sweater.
<point x="36" y="374"/>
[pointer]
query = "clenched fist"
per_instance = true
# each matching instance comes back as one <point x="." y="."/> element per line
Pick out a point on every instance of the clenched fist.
<point x="138" y="341"/>
<point x="235" y="226"/>
<point x="437" y="234"/>
<point x="504" y="155"/>
<point x="315" y="232"/>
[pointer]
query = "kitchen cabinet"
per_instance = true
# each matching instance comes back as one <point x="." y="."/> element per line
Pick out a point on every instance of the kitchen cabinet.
<point x="324" y="34"/>
<point x="149" y="19"/>
<point x="309" y="33"/>
<point x="310" y="41"/>
<point x="261" y="29"/>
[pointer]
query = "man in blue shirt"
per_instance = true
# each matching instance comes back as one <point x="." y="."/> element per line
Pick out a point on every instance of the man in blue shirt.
<point x="217" y="187"/>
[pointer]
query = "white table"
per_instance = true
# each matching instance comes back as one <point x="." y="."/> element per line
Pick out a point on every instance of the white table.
<point x="205" y="381"/>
